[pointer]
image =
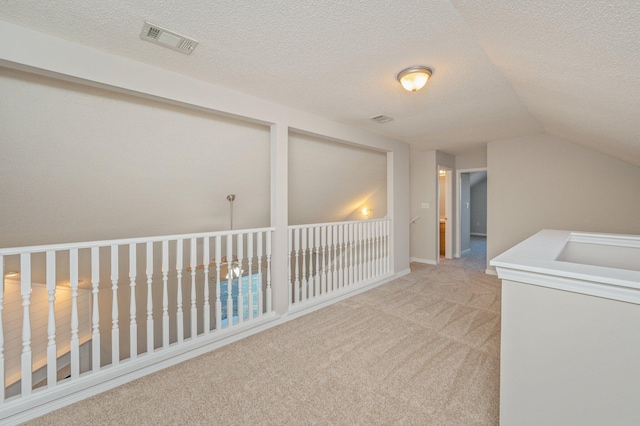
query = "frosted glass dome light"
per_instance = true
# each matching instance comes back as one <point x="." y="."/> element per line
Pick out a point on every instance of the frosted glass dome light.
<point x="414" y="78"/>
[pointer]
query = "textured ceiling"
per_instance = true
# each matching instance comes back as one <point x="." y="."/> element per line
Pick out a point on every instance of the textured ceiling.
<point x="501" y="68"/>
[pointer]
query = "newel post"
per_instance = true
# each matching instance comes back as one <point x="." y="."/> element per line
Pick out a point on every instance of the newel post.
<point x="279" y="216"/>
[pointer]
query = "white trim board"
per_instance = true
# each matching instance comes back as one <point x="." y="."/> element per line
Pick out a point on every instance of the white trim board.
<point x="426" y="261"/>
<point x="534" y="261"/>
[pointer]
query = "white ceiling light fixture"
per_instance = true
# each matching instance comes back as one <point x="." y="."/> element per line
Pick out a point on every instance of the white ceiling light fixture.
<point x="414" y="78"/>
<point x="158" y="35"/>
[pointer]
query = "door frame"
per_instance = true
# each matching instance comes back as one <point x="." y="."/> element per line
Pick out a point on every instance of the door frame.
<point x="448" y="213"/>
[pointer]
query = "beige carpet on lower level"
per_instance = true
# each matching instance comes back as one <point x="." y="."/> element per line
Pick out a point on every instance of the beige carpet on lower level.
<point x="421" y="350"/>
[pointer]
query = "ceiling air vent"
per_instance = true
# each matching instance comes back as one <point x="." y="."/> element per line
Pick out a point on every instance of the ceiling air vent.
<point x="381" y="119"/>
<point x="159" y="35"/>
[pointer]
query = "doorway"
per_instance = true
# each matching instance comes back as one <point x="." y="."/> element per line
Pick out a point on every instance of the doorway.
<point x="445" y="210"/>
<point x="471" y="209"/>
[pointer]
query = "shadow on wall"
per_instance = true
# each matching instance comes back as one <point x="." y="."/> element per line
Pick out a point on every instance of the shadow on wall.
<point x="332" y="182"/>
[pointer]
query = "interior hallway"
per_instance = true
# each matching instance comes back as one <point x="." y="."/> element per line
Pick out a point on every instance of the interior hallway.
<point x="423" y="349"/>
<point x="475" y="258"/>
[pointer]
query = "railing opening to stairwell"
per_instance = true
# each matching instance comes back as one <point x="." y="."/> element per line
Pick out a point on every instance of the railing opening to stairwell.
<point x="329" y="259"/>
<point x="79" y="318"/>
<point x="70" y="312"/>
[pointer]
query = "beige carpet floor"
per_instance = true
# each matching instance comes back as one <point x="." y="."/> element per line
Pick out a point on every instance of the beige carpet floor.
<point x="421" y="350"/>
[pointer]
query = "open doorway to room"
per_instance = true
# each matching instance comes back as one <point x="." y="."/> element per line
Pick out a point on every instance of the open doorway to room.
<point x="472" y="215"/>
<point x="445" y="210"/>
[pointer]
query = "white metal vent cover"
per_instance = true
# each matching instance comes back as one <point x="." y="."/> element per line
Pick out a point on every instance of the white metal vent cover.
<point x="156" y="34"/>
<point x="381" y="119"/>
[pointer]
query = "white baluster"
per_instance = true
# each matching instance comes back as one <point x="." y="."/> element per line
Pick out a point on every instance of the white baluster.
<point x="165" y="294"/>
<point x="363" y="253"/>
<point x="240" y="300"/>
<point x="374" y="253"/>
<point x="229" y="280"/>
<point x="382" y="250"/>
<point x="2" y="379"/>
<point x="363" y="241"/>
<point x="52" y="363"/>
<point x="387" y="247"/>
<point x="350" y="247"/>
<point x="133" y="324"/>
<point x="372" y="237"/>
<point x="206" y="315"/>
<point x="75" y="343"/>
<point x="289" y="250"/>
<point x="329" y="260"/>
<point x="115" y="331"/>
<point x="218" y="302"/>
<point x="360" y="251"/>
<point x="25" y="292"/>
<point x="296" y="243"/>
<point x="259" y="255"/>
<point x="341" y="255"/>
<point x="305" y="280"/>
<point x="350" y="250"/>
<point x="317" y="270"/>
<point x="268" y="250"/>
<point x="372" y="240"/>
<point x="378" y="251"/>
<point x="312" y="277"/>
<point x="194" y="310"/>
<point x="95" y="320"/>
<point x="335" y="258"/>
<point x="367" y="250"/>
<point x="249" y="261"/>
<point x="150" y="331"/>
<point x="323" y="268"/>
<point x="179" y="313"/>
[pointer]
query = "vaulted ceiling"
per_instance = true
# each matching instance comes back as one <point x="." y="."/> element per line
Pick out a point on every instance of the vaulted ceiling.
<point x="502" y="69"/>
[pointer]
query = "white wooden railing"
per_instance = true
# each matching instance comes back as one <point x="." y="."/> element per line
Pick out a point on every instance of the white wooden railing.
<point x="79" y="318"/>
<point x="147" y="295"/>
<point x="332" y="258"/>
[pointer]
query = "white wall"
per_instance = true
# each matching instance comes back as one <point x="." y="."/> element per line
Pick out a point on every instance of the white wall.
<point x="567" y="358"/>
<point x="332" y="182"/>
<point x="81" y="163"/>
<point x="541" y="182"/>
<point x="424" y="189"/>
<point x="472" y="160"/>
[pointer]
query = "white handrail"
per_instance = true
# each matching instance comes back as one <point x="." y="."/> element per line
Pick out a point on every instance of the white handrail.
<point x="123" y="241"/>
<point x="311" y="225"/>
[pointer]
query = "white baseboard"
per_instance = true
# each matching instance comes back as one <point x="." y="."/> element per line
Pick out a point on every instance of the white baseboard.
<point x="478" y="234"/>
<point x="303" y="308"/>
<point x="427" y="261"/>
<point x="465" y="252"/>
<point x="491" y="272"/>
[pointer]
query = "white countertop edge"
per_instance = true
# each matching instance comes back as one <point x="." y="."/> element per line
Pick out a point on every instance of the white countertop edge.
<point x="533" y="261"/>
